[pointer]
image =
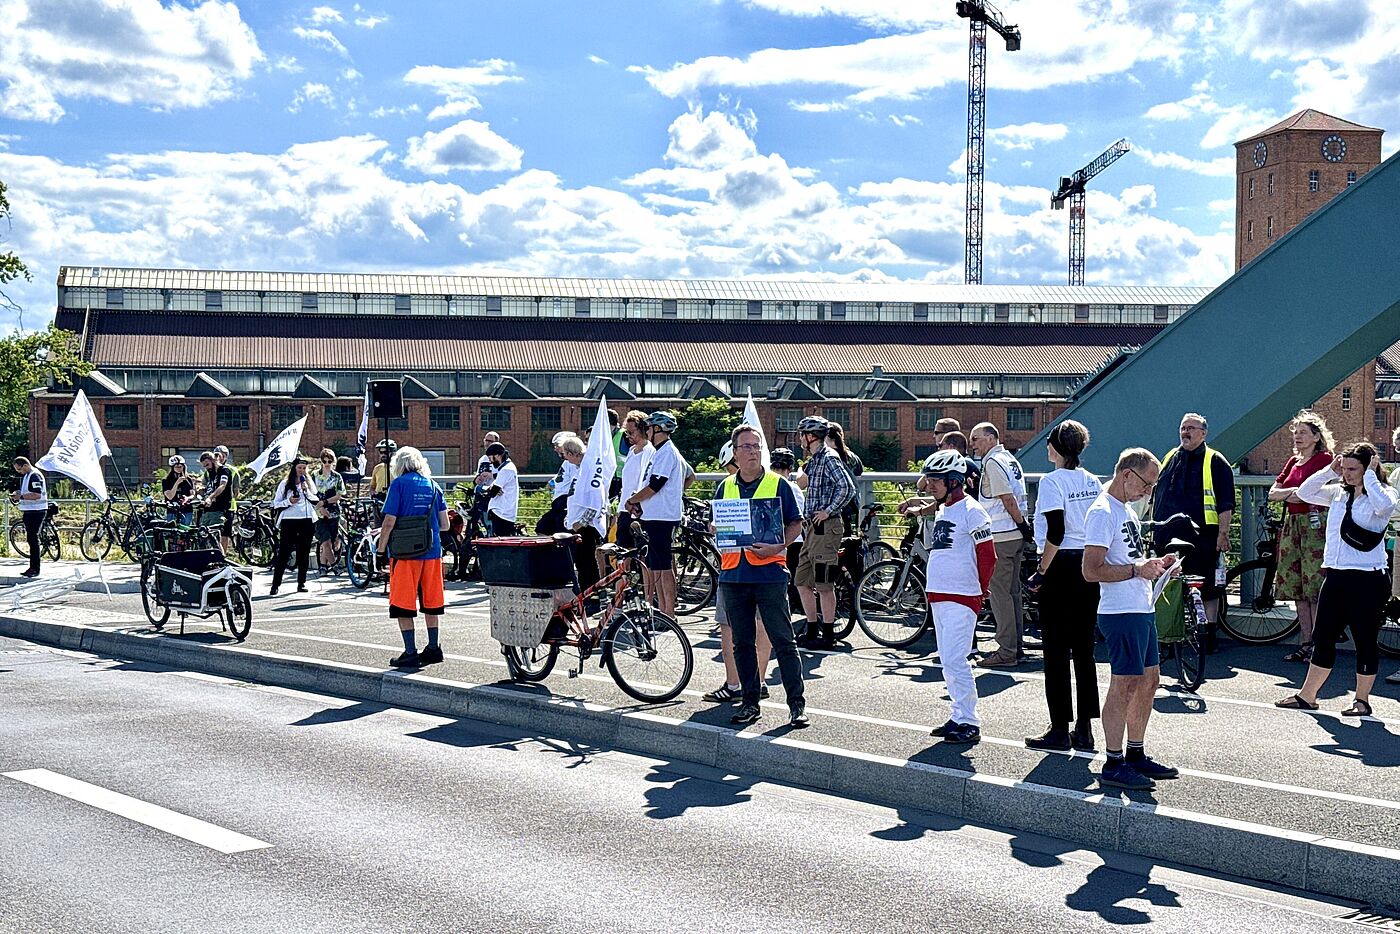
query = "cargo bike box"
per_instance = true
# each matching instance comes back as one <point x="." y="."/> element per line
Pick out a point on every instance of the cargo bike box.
<point x="528" y="578"/>
<point x="198" y="583"/>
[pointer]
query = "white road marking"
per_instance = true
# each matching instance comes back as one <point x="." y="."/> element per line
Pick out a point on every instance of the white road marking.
<point x="152" y="815"/>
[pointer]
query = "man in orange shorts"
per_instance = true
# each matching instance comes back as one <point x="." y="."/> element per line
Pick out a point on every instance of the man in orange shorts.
<point x="415" y="581"/>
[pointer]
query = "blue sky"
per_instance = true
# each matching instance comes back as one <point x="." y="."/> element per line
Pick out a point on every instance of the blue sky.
<point x="779" y="138"/>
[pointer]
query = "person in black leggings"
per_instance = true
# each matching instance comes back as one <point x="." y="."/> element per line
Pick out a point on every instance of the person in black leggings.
<point x="296" y="523"/>
<point x="1355" y="589"/>
<point x="1068" y="603"/>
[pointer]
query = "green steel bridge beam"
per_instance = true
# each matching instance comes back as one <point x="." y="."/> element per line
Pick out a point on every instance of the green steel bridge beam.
<point x="1272" y="339"/>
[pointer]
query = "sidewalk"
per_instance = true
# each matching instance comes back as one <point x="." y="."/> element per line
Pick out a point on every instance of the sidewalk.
<point x="1306" y="800"/>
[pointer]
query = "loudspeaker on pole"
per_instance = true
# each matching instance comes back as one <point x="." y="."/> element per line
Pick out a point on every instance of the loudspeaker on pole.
<point x="386" y="398"/>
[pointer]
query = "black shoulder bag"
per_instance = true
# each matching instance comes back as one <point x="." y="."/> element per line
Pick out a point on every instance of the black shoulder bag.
<point x="1354" y="534"/>
<point x="411" y="537"/>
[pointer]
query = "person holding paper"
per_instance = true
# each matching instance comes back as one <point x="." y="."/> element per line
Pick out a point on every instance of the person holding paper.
<point x="33" y="502"/>
<point x="753" y="576"/>
<point x="1116" y="559"/>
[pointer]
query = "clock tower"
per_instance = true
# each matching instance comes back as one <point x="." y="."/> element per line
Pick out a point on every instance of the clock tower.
<point x="1282" y="175"/>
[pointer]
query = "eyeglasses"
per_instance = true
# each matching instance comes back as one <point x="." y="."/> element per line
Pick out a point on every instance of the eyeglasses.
<point x="1193" y="428"/>
<point x="1141" y="479"/>
<point x="328" y="460"/>
<point x="748" y="447"/>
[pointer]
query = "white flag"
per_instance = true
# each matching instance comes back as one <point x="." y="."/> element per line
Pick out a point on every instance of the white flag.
<point x="751" y="418"/>
<point x="281" y="451"/>
<point x="78" y="450"/>
<point x="589" y="502"/>
<point x="362" y="439"/>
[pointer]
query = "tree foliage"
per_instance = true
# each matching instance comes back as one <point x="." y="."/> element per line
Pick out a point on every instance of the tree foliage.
<point x="11" y="266"/>
<point x="31" y="361"/>
<point x="882" y="453"/>
<point x="704" y="426"/>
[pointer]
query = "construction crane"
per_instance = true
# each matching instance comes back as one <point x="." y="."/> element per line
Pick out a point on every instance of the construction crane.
<point x="979" y="15"/>
<point x="1072" y="190"/>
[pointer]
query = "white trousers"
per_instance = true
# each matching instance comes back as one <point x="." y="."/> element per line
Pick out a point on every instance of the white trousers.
<point x="954" y="625"/>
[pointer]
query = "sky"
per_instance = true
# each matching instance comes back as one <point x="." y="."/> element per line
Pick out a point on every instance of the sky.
<point x="791" y="139"/>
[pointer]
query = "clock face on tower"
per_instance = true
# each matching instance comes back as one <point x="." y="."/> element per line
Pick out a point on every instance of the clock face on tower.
<point x="1334" y="148"/>
<point x="1261" y="154"/>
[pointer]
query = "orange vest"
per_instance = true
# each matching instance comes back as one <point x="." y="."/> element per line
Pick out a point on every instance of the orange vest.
<point x="767" y="489"/>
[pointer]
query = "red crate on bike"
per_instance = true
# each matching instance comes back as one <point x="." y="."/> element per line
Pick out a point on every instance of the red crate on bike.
<point x="544" y="561"/>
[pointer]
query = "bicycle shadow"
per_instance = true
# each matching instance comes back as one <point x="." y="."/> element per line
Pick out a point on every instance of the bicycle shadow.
<point x="1105" y="887"/>
<point x="1370" y="743"/>
<point x="346" y="714"/>
<point x="677" y="791"/>
<point x="1178" y="702"/>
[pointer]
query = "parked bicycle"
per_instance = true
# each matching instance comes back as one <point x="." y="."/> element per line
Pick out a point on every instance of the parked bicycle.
<point x="695" y="559"/>
<point x="1249" y="611"/>
<point x="255" y="533"/>
<point x="1182" y="626"/>
<point x="49" y="546"/>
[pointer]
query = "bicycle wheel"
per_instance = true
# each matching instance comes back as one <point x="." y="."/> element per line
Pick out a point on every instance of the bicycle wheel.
<point x="696" y="579"/>
<point x="19" y="545"/>
<point x="530" y="664"/>
<point x="845" y="622"/>
<point x="239" y="614"/>
<point x="648" y="655"/>
<point x="1388" y="639"/>
<point x="1189" y="653"/>
<point x="359" y="563"/>
<point x="95" y="540"/>
<point x="1260" y="619"/>
<point x="879" y="551"/>
<point x="150" y="601"/>
<point x="892" y="618"/>
<point x="49" y="544"/>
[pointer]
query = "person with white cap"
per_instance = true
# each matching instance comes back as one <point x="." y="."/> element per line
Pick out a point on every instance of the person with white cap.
<point x="559" y="487"/>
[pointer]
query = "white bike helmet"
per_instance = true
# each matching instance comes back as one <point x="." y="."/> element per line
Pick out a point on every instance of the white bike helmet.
<point x="946" y="466"/>
<point x="176" y="459"/>
<point x="726" y="454"/>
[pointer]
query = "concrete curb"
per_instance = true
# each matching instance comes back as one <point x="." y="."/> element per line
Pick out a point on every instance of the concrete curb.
<point x="85" y="586"/>
<point x="1308" y="862"/>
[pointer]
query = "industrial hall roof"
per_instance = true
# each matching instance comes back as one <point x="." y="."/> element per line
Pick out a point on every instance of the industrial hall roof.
<point x="113" y="277"/>
<point x="512" y="345"/>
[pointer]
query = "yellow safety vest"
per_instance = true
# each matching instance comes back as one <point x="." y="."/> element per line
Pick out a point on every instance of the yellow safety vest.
<point x="767" y="489"/>
<point x="1207" y="482"/>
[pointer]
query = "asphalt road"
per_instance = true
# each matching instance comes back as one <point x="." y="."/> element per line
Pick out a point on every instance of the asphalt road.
<point x="365" y="818"/>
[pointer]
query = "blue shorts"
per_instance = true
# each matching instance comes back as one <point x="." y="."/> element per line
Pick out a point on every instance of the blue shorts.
<point x="659" y="544"/>
<point x="1131" y="640"/>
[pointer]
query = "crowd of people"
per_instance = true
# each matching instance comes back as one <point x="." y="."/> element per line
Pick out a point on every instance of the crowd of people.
<point x="1099" y="548"/>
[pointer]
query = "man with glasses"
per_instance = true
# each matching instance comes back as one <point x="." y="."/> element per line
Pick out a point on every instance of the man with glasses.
<point x="1196" y="481"/>
<point x="1115" y="559"/>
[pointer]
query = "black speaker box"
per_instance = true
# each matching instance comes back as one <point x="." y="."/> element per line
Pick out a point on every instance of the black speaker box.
<point x="386" y="398"/>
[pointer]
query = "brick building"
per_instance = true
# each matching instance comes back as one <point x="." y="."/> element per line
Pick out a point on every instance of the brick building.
<point x="1284" y="174"/>
<point x="187" y="359"/>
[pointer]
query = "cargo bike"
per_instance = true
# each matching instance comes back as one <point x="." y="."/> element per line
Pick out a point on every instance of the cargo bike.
<point x="199" y="583"/>
<point x="536" y="612"/>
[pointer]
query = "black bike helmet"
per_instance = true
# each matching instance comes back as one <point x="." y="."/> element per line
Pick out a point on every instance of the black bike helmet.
<point x="783" y="459"/>
<point x="496" y="449"/>
<point x="663" y="420"/>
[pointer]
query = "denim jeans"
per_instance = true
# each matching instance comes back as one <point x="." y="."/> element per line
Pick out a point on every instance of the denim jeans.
<point x="743" y="603"/>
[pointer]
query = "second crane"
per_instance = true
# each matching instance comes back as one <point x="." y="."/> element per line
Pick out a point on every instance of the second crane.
<point x="1072" y="190"/>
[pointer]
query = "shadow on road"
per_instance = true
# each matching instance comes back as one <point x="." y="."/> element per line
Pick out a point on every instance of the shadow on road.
<point x="1105" y="887"/>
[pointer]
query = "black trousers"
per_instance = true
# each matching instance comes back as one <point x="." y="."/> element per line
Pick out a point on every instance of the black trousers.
<point x="1069" y="608"/>
<point x="33" y="520"/>
<point x="585" y="560"/>
<point x="1354" y="599"/>
<point x="294" y="537"/>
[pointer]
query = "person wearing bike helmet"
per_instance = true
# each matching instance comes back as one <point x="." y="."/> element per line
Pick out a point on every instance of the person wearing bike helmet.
<point x="221" y="457"/>
<point x="504" y="492"/>
<point x="960" y="563"/>
<point x="829" y="488"/>
<point x="218" y="498"/>
<point x="658" y="503"/>
<point x="379" y="477"/>
<point x="177" y="487"/>
<point x="33" y="501"/>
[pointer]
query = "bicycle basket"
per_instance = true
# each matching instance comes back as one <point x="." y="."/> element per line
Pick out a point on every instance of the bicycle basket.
<point x="542" y="562"/>
<point x="181" y="575"/>
<point x="521" y="615"/>
<point x="1171" y="613"/>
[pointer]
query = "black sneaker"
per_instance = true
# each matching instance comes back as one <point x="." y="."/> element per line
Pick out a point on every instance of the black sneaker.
<point x="407" y="660"/>
<point x="1154" y="770"/>
<point x="942" y="730"/>
<point x="797" y="716"/>
<point x="963" y="734"/>
<point x="1123" y="775"/>
<point x="1057" y="738"/>
<point x="431" y="655"/>
<point x="723" y="695"/>
<point x="763" y="692"/>
<point x="1082" y="739"/>
<point x="302" y="588"/>
<point x="747" y="714"/>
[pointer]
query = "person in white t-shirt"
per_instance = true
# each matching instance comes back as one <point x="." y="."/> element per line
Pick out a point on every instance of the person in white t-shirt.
<point x="33" y="501"/>
<point x="960" y="564"/>
<point x="658" y="504"/>
<point x="504" y="492"/>
<point x="1115" y="557"/>
<point x="1068" y="603"/>
<point x="1003" y="494"/>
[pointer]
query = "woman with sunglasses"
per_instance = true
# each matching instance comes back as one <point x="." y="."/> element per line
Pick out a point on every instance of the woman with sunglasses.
<point x="1355" y="589"/>
<point x="330" y="487"/>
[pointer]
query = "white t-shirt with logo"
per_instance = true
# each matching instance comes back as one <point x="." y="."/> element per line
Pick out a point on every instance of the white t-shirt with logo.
<point x="952" y="557"/>
<point x="633" y="468"/>
<point x="34" y="482"/>
<point x="507" y="505"/>
<point x="1001" y="474"/>
<point x="1072" y="492"/>
<point x="1111" y="524"/>
<point x="665" y="504"/>
<point x="563" y="482"/>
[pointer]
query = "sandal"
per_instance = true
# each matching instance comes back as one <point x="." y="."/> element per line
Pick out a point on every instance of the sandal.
<point x="1302" y="653"/>
<point x="1358" y="708"/>
<point x="1295" y="702"/>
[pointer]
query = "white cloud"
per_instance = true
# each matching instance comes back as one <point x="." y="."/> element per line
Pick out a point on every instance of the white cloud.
<point x="1223" y="167"/>
<point x="287" y="64"/>
<point x="877" y="13"/>
<point x="380" y="112"/>
<point x="1026" y="135"/>
<point x="311" y="93"/>
<point x="1110" y="38"/>
<point x="818" y="107"/>
<point x="470" y="146"/>
<point x="369" y="22"/>
<point x="322" y="37"/>
<point x="707" y="141"/>
<point x="126" y="51"/>
<point x="324" y="14"/>
<point x="350" y="74"/>
<point x="458" y="85"/>
<point x="903" y="120"/>
<point x="1229" y="123"/>
<point x="597" y="60"/>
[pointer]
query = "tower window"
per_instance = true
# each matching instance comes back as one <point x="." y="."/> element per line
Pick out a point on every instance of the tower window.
<point x="1351" y="179"/>
<point x="1251" y="189"/>
<point x="1249" y="232"/>
<point x="1271" y="184"/>
<point x="1314" y="180"/>
<point x="1346" y="398"/>
<point x="1270" y="222"/>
